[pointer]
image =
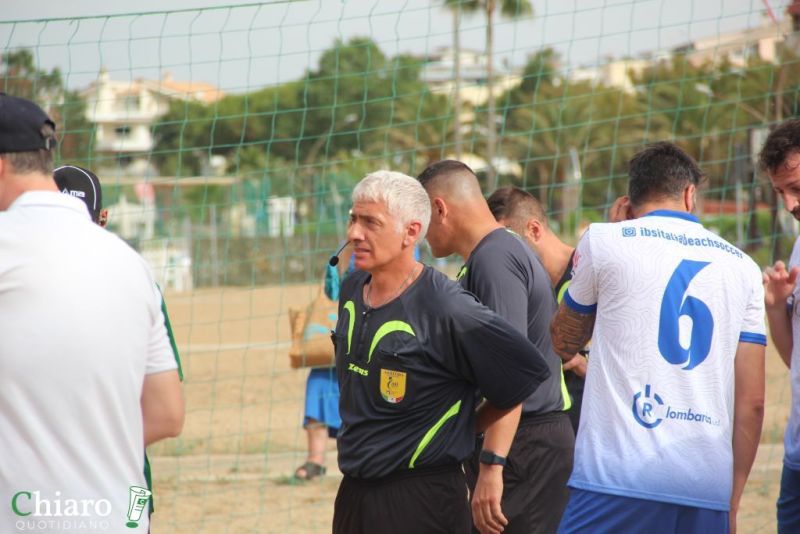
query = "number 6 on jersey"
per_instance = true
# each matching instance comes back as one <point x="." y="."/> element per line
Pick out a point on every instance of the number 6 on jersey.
<point x="673" y="306"/>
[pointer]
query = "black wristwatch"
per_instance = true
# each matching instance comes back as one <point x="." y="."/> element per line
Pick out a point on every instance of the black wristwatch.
<point x="490" y="458"/>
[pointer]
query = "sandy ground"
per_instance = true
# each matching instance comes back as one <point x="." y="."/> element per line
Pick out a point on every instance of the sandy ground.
<point x="228" y="472"/>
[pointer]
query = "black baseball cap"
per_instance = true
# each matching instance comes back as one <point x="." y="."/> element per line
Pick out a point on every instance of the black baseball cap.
<point x="83" y="184"/>
<point x="21" y="123"/>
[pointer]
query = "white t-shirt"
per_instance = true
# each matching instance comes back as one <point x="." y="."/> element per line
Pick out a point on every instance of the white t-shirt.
<point x="81" y="327"/>
<point x="791" y="439"/>
<point x="673" y="301"/>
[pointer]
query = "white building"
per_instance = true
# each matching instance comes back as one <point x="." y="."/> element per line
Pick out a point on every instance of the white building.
<point x="739" y="47"/>
<point x="614" y="73"/>
<point x="125" y="111"/>
<point x="439" y="75"/>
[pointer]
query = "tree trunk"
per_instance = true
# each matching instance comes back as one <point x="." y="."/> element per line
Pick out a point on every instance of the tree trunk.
<point x="779" y="248"/>
<point x="491" y="141"/>
<point x="457" y="77"/>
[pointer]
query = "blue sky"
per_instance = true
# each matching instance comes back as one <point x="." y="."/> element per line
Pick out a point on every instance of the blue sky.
<point x="248" y="46"/>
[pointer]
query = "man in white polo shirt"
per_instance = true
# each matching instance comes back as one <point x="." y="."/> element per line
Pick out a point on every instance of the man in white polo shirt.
<point x="674" y="396"/>
<point x="85" y="185"/>
<point x="87" y="374"/>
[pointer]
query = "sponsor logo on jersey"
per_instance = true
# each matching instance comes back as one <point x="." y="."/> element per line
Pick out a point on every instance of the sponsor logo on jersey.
<point x="393" y="386"/>
<point x="644" y="408"/>
<point x="650" y="411"/>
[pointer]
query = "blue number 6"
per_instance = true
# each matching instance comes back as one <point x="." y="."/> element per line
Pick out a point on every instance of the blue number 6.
<point x="673" y="305"/>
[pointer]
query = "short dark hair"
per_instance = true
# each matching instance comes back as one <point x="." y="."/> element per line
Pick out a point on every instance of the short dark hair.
<point x="515" y="203"/>
<point x="441" y="168"/>
<point x="781" y="142"/>
<point x="40" y="160"/>
<point x="661" y="170"/>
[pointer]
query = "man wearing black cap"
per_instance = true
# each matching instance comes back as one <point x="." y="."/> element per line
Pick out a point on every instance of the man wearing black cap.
<point x="86" y="370"/>
<point x="84" y="184"/>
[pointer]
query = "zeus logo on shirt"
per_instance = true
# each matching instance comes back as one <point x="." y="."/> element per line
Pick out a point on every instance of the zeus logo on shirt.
<point x="650" y="411"/>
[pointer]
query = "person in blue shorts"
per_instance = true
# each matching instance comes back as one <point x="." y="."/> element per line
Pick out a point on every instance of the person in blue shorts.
<point x="321" y="419"/>
<point x="674" y="396"/>
<point x="321" y="416"/>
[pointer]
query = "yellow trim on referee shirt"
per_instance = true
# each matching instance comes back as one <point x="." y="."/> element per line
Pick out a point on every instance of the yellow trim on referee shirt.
<point x="564" y="391"/>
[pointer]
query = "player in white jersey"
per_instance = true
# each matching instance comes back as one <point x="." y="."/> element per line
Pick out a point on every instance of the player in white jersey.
<point x="780" y="157"/>
<point x="675" y="385"/>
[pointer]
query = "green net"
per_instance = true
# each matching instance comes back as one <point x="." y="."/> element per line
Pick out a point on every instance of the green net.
<point x="228" y="140"/>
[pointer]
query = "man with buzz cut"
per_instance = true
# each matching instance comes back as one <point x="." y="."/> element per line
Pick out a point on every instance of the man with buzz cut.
<point x="674" y="397"/>
<point x="412" y="351"/>
<point x="84" y="184"/>
<point x="522" y="213"/>
<point x="506" y="276"/>
<point x="87" y="375"/>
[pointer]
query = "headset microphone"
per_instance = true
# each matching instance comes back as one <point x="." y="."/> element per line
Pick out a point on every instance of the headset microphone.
<point x="334" y="261"/>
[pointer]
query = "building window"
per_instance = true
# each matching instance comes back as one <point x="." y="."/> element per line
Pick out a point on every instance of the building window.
<point x="123" y="131"/>
<point x="131" y="103"/>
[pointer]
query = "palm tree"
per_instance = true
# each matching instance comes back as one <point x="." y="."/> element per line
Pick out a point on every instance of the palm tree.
<point x="457" y="76"/>
<point x="508" y="8"/>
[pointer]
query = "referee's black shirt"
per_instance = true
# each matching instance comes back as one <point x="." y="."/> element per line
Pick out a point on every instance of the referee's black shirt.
<point x="409" y="372"/>
<point x="505" y="275"/>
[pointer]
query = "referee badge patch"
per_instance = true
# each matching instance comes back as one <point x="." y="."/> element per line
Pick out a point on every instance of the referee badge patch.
<point x="393" y="386"/>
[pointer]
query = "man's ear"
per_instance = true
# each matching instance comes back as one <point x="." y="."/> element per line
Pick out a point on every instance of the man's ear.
<point x="534" y="230"/>
<point x="690" y="197"/>
<point x="102" y="219"/>
<point x="439" y="208"/>
<point x="412" y="233"/>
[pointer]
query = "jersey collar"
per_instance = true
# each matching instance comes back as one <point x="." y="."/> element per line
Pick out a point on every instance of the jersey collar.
<point x="672" y="213"/>
<point x="50" y="199"/>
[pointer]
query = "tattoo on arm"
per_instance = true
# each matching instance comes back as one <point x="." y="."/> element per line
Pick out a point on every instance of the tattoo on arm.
<point x="570" y="331"/>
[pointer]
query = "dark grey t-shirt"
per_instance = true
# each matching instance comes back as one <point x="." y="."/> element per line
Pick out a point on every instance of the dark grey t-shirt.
<point x="410" y="371"/>
<point x="505" y="275"/>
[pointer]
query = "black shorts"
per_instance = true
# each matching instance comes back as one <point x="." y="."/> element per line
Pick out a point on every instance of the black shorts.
<point x="535" y="477"/>
<point x="426" y="499"/>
